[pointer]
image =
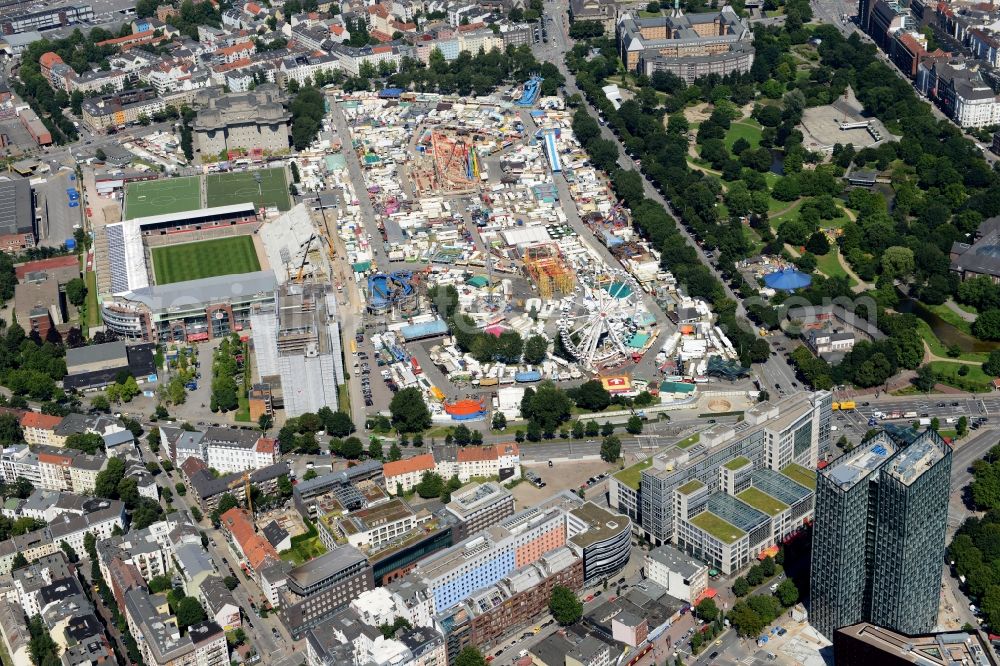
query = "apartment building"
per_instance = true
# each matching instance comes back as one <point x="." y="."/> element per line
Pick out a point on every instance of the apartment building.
<point x="682" y="576"/>
<point x="70" y="528"/>
<point x="241" y="532"/>
<point x="159" y="638"/>
<point x="121" y="108"/>
<point x="39" y="429"/>
<point x="373" y="527"/>
<point x="314" y="591"/>
<point x="501" y="461"/>
<point x="224" y="449"/>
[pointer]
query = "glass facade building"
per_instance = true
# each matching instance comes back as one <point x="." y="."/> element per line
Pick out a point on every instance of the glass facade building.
<point x="879" y="536"/>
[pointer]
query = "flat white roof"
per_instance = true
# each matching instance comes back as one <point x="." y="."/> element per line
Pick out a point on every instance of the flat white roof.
<point x="166" y="218"/>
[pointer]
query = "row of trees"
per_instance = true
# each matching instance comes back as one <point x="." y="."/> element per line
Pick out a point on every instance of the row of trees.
<point x="975" y="549"/>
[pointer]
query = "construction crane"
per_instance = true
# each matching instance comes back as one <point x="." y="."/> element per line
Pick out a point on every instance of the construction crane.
<point x="305" y="256"/>
<point x="246" y="489"/>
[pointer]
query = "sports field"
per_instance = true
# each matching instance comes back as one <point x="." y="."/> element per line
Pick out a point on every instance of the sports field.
<point x="236" y="187"/>
<point x="163" y="196"/>
<point x="202" y="259"/>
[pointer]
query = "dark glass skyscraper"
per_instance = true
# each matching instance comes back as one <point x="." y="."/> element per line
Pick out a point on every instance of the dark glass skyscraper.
<point x="878" y="539"/>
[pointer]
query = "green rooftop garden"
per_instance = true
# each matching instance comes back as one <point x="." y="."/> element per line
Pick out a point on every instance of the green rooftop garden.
<point x="736" y="463"/>
<point x="689" y="441"/>
<point x="762" y="501"/>
<point x="717" y="527"/>
<point x="631" y="476"/>
<point x="800" y="475"/>
<point x="690" y="487"/>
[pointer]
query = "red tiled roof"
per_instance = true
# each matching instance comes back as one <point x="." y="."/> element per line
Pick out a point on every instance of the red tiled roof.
<point x="266" y="445"/>
<point x="192" y="465"/>
<point x="66" y="261"/>
<point x="475" y="453"/>
<point x="235" y="48"/>
<point x="43" y="421"/>
<point x="911" y="44"/>
<point x="134" y="37"/>
<point x="256" y="548"/>
<point x="236" y="64"/>
<point x="421" y="463"/>
<point x="54" y="459"/>
<point x="49" y="59"/>
<point x="380" y="36"/>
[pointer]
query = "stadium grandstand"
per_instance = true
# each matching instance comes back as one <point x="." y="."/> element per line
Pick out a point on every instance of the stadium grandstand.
<point x="183" y="276"/>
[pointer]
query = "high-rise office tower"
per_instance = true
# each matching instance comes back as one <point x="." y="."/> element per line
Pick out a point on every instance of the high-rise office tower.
<point x="879" y="535"/>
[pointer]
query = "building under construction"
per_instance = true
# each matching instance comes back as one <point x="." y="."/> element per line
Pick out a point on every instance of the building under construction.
<point x="297" y="345"/>
<point x="548" y="269"/>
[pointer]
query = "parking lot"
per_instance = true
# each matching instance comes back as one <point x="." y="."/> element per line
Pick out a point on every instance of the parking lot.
<point x="58" y="218"/>
<point x="561" y="476"/>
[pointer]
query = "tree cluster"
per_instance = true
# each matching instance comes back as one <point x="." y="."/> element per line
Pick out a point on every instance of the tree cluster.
<point x="975" y="550"/>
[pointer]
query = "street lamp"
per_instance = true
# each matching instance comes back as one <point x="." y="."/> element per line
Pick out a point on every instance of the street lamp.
<point x="260" y="192"/>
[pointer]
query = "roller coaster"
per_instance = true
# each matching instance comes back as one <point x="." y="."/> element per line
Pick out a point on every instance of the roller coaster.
<point x="392" y="290"/>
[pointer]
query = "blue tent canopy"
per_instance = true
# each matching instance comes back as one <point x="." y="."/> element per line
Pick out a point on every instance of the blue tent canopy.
<point x="788" y="279"/>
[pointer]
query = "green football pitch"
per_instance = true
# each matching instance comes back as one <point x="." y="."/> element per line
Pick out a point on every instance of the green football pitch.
<point x="160" y="197"/>
<point x="202" y="259"/>
<point x="224" y="189"/>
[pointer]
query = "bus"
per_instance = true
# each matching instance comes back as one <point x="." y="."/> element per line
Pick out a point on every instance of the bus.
<point x="354" y="347"/>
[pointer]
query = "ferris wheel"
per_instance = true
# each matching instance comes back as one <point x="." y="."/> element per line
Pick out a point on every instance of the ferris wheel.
<point x="598" y="331"/>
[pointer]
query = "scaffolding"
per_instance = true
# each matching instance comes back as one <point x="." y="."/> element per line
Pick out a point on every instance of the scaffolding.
<point x="547" y="267"/>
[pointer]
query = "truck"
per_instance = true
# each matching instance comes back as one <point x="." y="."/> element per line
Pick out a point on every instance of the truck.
<point x="909" y="415"/>
<point x="925" y="422"/>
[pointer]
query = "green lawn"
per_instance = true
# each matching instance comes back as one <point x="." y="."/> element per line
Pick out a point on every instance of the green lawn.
<point x="631" y="476"/>
<point x="93" y="307"/>
<point x="762" y="501"/>
<point x="800" y="475"/>
<point x="717" y="527"/>
<point x="951" y="317"/>
<point x="224" y="189"/>
<point x="744" y="129"/>
<point x="736" y="463"/>
<point x="161" y="197"/>
<point x="193" y="261"/>
<point x="242" y="413"/>
<point x="303" y="551"/>
<point x="305" y="546"/>
<point x="947" y="373"/>
<point x="829" y="266"/>
<point x="938" y="348"/>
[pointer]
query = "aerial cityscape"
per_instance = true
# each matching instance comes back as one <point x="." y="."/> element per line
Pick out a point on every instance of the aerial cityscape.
<point x="507" y="332"/>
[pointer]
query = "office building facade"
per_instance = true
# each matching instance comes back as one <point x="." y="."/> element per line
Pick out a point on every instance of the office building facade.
<point x="782" y="436"/>
<point x="879" y="536"/>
